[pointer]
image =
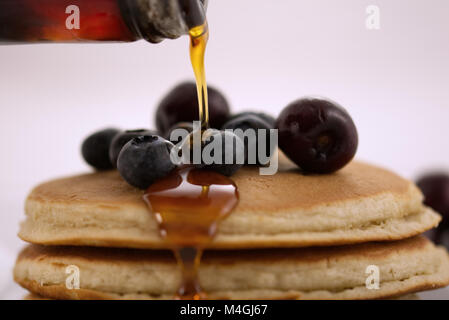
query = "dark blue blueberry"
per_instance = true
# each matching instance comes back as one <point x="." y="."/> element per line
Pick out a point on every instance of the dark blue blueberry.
<point x="231" y="157"/>
<point x="268" y="118"/>
<point x="256" y="123"/>
<point x="186" y="126"/>
<point x="317" y="134"/>
<point x="122" y="138"/>
<point x="95" y="148"/>
<point x="181" y="105"/>
<point x="145" y="159"/>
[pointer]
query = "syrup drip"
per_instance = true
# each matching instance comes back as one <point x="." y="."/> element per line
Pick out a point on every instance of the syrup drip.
<point x="198" y="41"/>
<point x="188" y="206"/>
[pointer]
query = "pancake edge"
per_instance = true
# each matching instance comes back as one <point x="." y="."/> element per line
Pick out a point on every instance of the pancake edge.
<point x="387" y="254"/>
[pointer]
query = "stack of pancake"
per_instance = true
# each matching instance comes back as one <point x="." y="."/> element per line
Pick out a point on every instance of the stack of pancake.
<point x="292" y="236"/>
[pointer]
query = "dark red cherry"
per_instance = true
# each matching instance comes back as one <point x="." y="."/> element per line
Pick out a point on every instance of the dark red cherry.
<point x="181" y="105"/>
<point x="435" y="187"/>
<point x="318" y="135"/>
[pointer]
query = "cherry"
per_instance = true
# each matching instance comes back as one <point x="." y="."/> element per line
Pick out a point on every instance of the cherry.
<point x="435" y="187"/>
<point x="318" y="135"/>
<point x="181" y="105"/>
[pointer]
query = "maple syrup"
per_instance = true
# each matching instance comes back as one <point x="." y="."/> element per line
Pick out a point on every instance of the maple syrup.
<point x="31" y="21"/>
<point x="190" y="203"/>
<point x="188" y="206"/>
<point x="198" y="41"/>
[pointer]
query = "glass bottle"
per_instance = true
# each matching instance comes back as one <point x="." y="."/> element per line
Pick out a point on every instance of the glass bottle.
<point x="28" y="21"/>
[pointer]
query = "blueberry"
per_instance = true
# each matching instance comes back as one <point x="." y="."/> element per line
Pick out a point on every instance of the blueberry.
<point x="122" y="138"/>
<point x="231" y="156"/>
<point x="186" y="126"/>
<point x="95" y="148"/>
<point x="181" y="105"/>
<point x="256" y="122"/>
<point x="317" y="134"/>
<point x="188" y="146"/>
<point x="145" y="159"/>
<point x="435" y="187"/>
<point x="268" y="118"/>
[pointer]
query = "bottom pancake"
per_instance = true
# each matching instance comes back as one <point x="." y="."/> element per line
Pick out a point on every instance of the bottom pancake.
<point x="309" y="273"/>
<point x="411" y="296"/>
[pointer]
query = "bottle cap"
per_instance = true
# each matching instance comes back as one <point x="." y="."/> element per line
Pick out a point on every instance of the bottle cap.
<point x="155" y="20"/>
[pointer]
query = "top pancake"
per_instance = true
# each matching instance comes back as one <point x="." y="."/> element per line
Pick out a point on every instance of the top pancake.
<point x="356" y="204"/>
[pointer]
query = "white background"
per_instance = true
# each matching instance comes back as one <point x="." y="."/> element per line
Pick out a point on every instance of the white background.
<point x="263" y="54"/>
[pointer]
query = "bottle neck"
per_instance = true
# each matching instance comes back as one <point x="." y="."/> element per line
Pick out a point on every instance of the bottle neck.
<point x="156" y="20"/>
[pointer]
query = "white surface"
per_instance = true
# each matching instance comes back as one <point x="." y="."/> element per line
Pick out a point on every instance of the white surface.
<point x="263" y="54"/>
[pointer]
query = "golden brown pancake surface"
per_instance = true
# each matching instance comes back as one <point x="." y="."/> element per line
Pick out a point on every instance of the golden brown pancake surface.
<point x="356" y="204"/>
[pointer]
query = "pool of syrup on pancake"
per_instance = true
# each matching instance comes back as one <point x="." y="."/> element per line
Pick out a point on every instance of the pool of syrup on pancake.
<point x="188" y="206"/>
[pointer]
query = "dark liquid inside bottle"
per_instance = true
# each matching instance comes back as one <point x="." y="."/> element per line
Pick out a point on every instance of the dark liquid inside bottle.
<point x="97" y="20"/>
<point x="58" y="20"/>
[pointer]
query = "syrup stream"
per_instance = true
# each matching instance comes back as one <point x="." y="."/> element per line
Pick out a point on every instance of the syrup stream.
<point x="199" y="37"/>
